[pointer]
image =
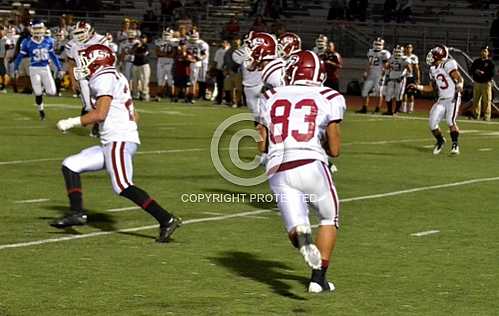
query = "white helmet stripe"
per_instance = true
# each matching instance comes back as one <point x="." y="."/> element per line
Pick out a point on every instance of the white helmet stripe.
<point x="316" y="67"/>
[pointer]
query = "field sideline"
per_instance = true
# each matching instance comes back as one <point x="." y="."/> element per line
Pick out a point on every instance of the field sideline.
<point x="418" y="232"/>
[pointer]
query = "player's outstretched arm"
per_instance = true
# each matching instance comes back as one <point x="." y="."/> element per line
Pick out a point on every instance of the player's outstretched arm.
<point x="333" y="139"/>
<point x="98" y="115"/>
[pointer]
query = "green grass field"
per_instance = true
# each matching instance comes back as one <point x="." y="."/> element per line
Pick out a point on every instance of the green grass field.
<point x="243" y="264"/>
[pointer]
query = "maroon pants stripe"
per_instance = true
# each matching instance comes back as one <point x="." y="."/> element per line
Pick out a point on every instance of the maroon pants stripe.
<point x="123" y="167"/>
<point x="333" y="193"/>
<point x="115" y="167"/>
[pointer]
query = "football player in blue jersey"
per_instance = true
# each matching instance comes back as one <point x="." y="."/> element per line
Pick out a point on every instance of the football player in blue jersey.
<point x="40" y="49"/>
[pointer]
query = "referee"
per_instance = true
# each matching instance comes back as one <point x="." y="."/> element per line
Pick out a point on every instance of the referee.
<point x="483" y="71"/>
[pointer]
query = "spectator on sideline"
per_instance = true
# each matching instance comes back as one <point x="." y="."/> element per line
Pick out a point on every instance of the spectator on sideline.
<point x="231" y="29"/>
<point x="3" y="70"/>
<point x="219" y="65"/>
<point x="233" y="85"/>
<point x="259" y="25"/>
<point x="182" y="72"/>
<point x="141" y="71"/>
<point x="483" y="71"/>
<point x="332" y="61"/>
<point x="122" y="35"/>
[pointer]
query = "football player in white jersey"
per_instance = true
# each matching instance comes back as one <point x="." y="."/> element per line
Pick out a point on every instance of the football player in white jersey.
<point x="446" y="79"/>
<point x="126" y="55"/>
<point x="165" y="52"/>
<point x="200" y="50"/>
<point x="83" y="36"/>
<point x="299" y="129"/>
<point x="320" y="44"/>
<point x="262" y="68"/>
<point x="265" y="57"/>
<point x="374" y="74"/>
<point x="252" y="80"/>
<point x="397" y="68"/>
<point x="413" y="76"/>
<point x="114" y="112"/>
<point x="289" y="44"/>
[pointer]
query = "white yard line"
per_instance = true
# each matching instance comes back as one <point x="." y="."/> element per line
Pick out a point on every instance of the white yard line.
<point x="418" y="118"/>
<point x="425" y="233"/>
<point x="32" y="201"/>
<point x="151" y="152"/>
<point x="243" y="214"/>
<point x="212" y="213"/>
<point x="121" y="209"/>
<point x="127" y="230"/>
<point x="485" y="149"/>
<point x="431" y="187"/>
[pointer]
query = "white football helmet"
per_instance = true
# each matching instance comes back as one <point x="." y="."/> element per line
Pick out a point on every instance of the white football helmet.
<point x="378" y="44"/>
<point x="131" y="34"/>
<point x="321" y="43"/>
<point x="398" y="51"/>
<point x="167" y="35"/>
<point x="193" y="37"/>
<point x="82" y="31"/>
<point x="38" y="29"/>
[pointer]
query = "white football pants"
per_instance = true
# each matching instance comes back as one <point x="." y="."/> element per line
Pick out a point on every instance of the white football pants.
<point x="252" y="96"/>
<point x="444" y="108"/>
<point x="310" y="183"/>
<point x="41" y="78"/>
<point x="115" y="157"/>
<point x="164" y="73"/>
<point x="394" y="90"/>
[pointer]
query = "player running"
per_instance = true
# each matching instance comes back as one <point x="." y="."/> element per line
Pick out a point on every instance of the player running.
<point x="40" y="49"/>
<point x="445" y="78"/>
<point x="397" y="68"/>
<point x="114" y="112"/>
<point x="83" y="37"/>
<point x="374" y="74"/>
<point x="300" y="127"/>
<point x="262" y="68"/>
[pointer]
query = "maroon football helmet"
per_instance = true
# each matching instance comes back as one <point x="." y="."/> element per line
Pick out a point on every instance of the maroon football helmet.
<point x="263" y="46"/>
<point x="92" y="59"/>
<point x="289" y="43"/>
<point x="305" y="68"/>
<point x="436" y="54"/>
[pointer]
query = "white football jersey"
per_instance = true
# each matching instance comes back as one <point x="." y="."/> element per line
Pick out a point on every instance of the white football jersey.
<point x="377" y="60"/>
<point x="73" y="46"/>
<point x="273" y="73"/>
<point x="119" y="124"/>
<point x="443" y="80"/>
<point x="296" y="118"/>
<point x="413" y="60"/>
<point x="166" y="47"/>
<point x="251" y="78"/>
<point x="126" y="49"/>
<point x="198" y="49"/>
<point x="397" y="67"/>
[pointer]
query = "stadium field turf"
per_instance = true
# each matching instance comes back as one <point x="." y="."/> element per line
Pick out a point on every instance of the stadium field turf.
<point x="418" y="232"/>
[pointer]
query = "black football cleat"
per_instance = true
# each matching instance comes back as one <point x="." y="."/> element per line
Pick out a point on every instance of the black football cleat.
<point x="363" y="110"/>
<point x="42" y="115"/>
<point x="74" y="219"/>
<point x="165" y="231"/>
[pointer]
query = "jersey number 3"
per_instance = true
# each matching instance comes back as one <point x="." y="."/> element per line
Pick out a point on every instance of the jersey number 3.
<point x="283" y="120"/>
